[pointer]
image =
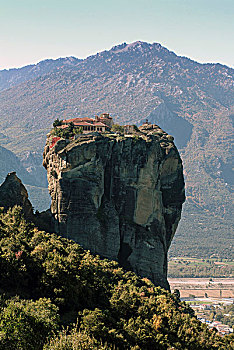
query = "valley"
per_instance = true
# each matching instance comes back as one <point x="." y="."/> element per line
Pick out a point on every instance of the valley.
<point x="212" y="300"/>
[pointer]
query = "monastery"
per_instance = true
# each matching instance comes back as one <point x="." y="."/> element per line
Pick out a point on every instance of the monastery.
<point x="99" y="123"/>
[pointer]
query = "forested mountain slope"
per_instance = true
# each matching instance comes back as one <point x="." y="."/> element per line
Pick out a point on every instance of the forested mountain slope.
<point x="55" y="295"/>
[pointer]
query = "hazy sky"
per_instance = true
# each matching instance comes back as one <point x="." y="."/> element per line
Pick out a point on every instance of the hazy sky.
<point x="32" y="30"/>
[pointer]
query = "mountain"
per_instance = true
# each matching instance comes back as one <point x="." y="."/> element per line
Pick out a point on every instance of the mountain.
<point x="133" y="82"/>
<point x="10" y="162"/>
<point x="16" y="76"/>
<point x="29" y="169"/>
<point x="192" y="101"/>
<point x="32" y="162"/>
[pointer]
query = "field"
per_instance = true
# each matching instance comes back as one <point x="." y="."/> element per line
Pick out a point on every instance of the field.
<point x="203" y="287"/>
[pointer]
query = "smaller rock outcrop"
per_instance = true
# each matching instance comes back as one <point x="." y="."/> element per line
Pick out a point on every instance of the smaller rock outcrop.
<point x="13" y="192"/>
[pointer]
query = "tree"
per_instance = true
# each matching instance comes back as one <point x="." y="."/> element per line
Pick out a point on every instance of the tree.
<point x="70" y="128"/>
<point x="119" y="129"/>
<point x="176" y="293"/>
<point x="57" y="122"/>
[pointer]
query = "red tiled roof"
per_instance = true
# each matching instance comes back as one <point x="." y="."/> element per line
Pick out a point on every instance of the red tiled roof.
<point x="99" y="124"/>
<point x="69" y="120"/>
<point x="83" y="123"/>
<point x="86" y="121"/>
<point x="78" y="120"/>
<point x="86" y="118"/>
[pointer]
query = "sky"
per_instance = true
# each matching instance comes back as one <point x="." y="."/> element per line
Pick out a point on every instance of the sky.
<point x="33" y="30"/>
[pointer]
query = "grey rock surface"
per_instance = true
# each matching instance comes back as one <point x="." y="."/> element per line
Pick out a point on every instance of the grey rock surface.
<point x="13" y="192"/>
<point x="120" y="196"/>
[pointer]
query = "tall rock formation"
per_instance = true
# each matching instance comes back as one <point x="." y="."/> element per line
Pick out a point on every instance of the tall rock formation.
<point x="118" y="196"/>
<point x="13" y="192"/>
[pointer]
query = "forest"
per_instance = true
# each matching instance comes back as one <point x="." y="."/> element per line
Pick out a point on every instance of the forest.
<point x="55" y="295"/>
<point x="194" y="267"/>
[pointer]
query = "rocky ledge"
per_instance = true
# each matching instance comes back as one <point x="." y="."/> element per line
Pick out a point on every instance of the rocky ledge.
<point x="120" y="196"/>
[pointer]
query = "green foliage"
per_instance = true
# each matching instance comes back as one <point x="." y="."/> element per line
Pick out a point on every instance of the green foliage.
<point x="26" y="324"/>
<point x="224" y="314"/>
<point x="76" y="340"/>
<point x="57" y="122"/>
<point x="68" y="132"/>
<point x="77" y="130"/>
<point x="59" y="284"/>
<point x="119" y="129"/>
<point x="202" y="234"/>
<point x="64" y="133"/>
<point x="194" y="267"/>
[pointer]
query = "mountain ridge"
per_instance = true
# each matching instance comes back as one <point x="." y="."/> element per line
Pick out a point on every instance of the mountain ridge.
<point x="73" y="61"/>
<point x="33" y="69"/>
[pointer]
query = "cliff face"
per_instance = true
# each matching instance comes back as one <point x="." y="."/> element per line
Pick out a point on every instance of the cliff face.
<point x="118" y="196"/>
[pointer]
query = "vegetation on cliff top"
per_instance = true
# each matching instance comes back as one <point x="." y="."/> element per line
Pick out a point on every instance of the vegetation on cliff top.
<point x="49" y="282"/>
<point x="66" y="133"/>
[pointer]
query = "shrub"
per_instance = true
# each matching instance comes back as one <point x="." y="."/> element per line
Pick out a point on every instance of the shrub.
<point x="119" y="129"/>
<point x="26" y="324"/>
<point x="75" y="340"/>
